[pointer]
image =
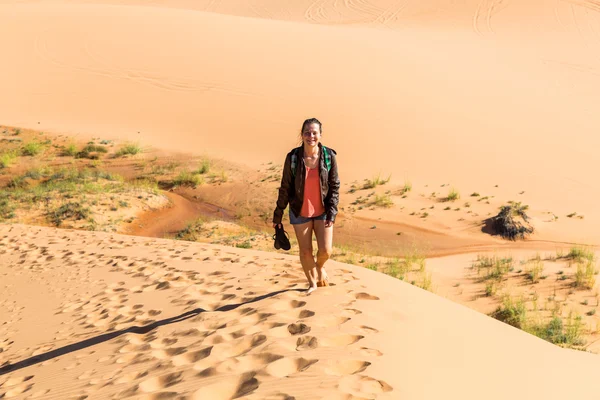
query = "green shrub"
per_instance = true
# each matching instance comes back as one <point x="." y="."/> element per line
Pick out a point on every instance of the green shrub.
<point x="579" y="254"/>
<point x="383" y="201"/>
<point x="585" y="275"/>
<point x="376" y="181"/>
<point x="7" y="159"/>
<point x="32" y="148"/>
<point x="7" y="207"/>
<point x="204" y="167"/>
<point x="495" y="267"/>
<point x="406" y="188"/>
<point x="187" y="178"/>
<point x="91" y="151"/>
<point x="557" y="332"/>
<point x="512" y="312"/>
<point x="453" y="195"/>
<point x="71" y="210"/>
<point x="129" y="149"/>
<point x="69" y="150"/>
<point x="191" y="232"/>
<point x="536" y="271"/>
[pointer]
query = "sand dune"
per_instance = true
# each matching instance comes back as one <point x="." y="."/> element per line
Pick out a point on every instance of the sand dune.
<point x="475" y="94"/>
<point x="112" y="316"/>
<point x="490" y="97"/>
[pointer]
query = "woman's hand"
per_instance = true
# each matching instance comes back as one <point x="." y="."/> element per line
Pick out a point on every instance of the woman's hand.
<point x="276" y="225"/>
<point x="328" y="224"/>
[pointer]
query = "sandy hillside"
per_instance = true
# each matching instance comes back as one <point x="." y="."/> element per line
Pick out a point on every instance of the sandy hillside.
<point x="473" y="94"/>
<point x="112" y="316"/>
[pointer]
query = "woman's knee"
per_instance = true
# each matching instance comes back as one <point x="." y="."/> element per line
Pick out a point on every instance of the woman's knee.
<point x="306" y="252"/>
<point x="324" y="253"/>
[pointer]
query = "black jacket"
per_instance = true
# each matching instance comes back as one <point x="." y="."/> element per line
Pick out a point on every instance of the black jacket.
<point x="292" y="186"/>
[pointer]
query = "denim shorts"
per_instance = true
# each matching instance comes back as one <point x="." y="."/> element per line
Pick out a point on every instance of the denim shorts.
<point x="302" y="220"/>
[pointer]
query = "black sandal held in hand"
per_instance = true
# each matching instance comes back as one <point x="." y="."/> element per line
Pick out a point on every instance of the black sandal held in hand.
<point x="281" y="238"/>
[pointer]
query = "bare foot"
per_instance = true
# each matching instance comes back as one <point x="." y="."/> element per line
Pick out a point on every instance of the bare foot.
<point x="310" y="290"/>
<point x="323" y="279"/>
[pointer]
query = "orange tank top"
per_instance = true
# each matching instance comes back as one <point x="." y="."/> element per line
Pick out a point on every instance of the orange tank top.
<point x="312" y="205"/>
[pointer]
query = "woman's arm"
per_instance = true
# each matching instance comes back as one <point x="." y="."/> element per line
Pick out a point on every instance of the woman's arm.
<point x="284" y="191"/>
<point x="333" y="196"/>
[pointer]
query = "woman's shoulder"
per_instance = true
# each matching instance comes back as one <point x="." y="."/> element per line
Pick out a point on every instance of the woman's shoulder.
<point x="329" y="149"/>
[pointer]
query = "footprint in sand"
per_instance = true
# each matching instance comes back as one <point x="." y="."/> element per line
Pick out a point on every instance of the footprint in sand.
<point x="130" y="377"/>
<point x="288" y="366"/>
<point x="349" y="312"/>
<point x="247" y="363"/>
<point x="341" y="340"/>
<point x="17" y="390"/>
<point x="15" y="381"/>
<point x="160" y="382"/>
<point x="328" y="321"/>
<point x="288" y="305"/>
<point x="365" y="296"/>
<point x="346" y="367"/>
<point x="306" y="343"/>
<point x="361" y="386"/>
<point x="370" y="352"/>
<point x="227" y="388"/>
<point x="298" y="329"/>
<point x="39" y="394"/>
<point x="368" y="329"/>
<point x="164" y="354"/>
<point x="192" y="357"/>
<point x="240" y="346"/>
<point x="306" y="314"/>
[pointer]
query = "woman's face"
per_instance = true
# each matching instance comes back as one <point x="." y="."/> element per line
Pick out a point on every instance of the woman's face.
<point x="311" y="135"/>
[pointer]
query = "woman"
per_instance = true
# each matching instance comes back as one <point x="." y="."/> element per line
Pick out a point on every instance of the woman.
<point x="310" y="185"/>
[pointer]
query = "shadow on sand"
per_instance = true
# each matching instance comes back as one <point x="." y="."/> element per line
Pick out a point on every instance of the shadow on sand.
<point x="133" y="329"/>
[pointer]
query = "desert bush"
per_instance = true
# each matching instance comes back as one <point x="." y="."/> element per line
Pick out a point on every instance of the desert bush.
<point x="453" y="195"/>
<point x="32" y="148"/>
<point x="376" y="181"/>
<point x="7" y="207"/>
<point x="406" y="188"/>
<point x="191" y="232"/>
<point x="383" y="200"/>
<point x="69" y="150"/>
<point x="7" y="159"/>
<point x="512" y="222"/>
<point x="187" y="178"/>
<point x="556" y="331"/>
<point x="535" y="272"/>
<point x="495" y="267"/>
<point x="204" y="167"/>
<point x="491" y="288"/>
<point x="91" y="151"/>
<point x="580" y="254"/>
<point x="426" y="281"/>
<point x="129" y="149"/>
<point x="71" y="210"/>
<point x="512" y="312"/>
<point x="585" y="275"/>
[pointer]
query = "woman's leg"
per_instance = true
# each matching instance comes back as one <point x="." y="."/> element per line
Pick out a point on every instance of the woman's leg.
<point x="307" y="258"/>
<point x="325" y="242"/>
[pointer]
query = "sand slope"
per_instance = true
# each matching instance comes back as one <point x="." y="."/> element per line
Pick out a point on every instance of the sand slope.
<point x="112" y="316"/>
<point x="475" y="94"/>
